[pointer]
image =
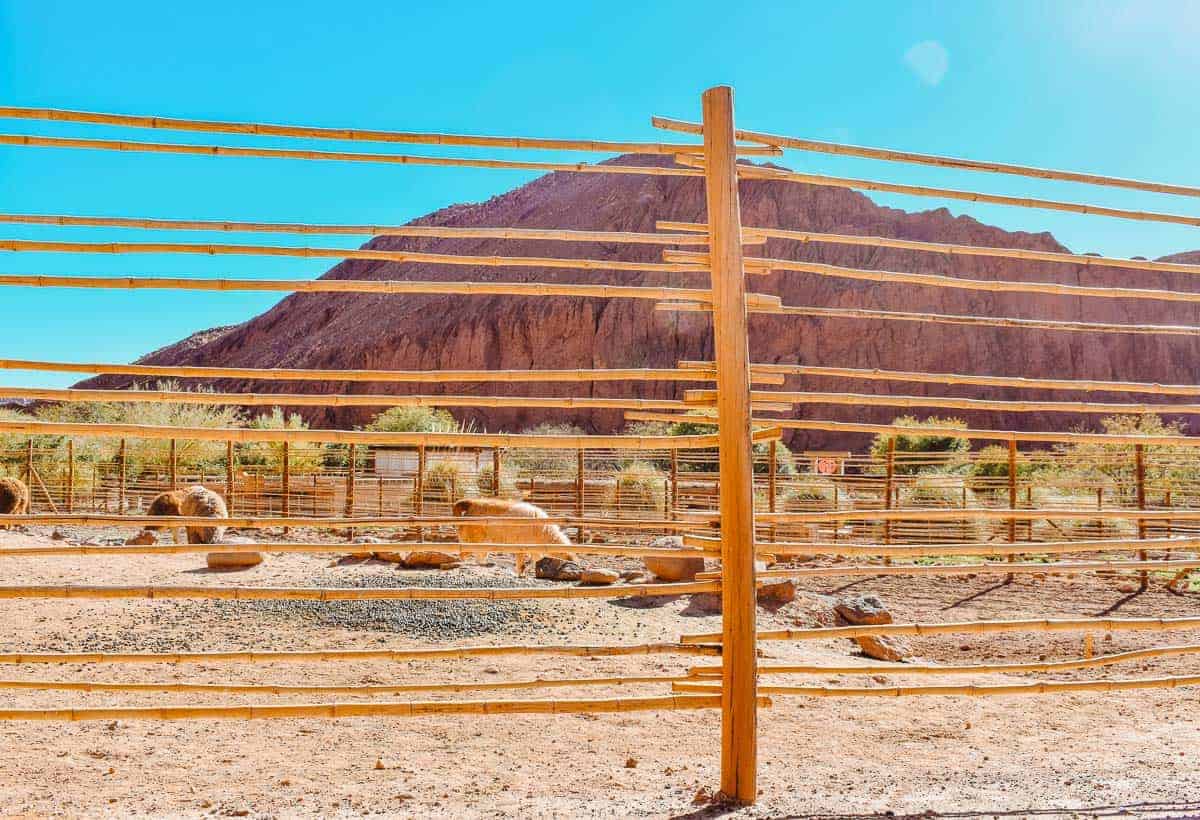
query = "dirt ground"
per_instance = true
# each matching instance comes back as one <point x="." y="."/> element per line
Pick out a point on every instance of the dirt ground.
<point x="1075" y="755"/>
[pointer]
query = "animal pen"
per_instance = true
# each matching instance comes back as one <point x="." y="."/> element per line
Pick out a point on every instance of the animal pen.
<point x="725" y="497"/>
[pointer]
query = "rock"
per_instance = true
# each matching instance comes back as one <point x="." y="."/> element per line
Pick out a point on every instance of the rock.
<point x="707" y="603"/>
<point x="145" y="537"/>
<point x="773" y="596"/>
<point x="368" y="539"/>
<point x="556" y="569"/>
<point x="379" y="765"/>
<point x="599" y="577"/>
<point x="672" y="569"/>
<point x="865" y="610"/>
<point x="634" y="577"/>
<point x="882" y="647"/>
<point x="631" y="763"/>
<point x="429" y="559"/>
<point x="58" y="535"/>
<point x="233" y="560"/>
<point x="393" y="557"/>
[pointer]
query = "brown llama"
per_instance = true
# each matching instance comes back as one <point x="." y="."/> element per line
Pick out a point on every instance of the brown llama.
<point x="14" y="498"/>
<point x="532" y="533"/>
<point x="194" y="501"/>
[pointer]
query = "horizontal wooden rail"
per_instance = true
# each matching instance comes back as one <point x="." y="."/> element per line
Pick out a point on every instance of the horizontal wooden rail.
<point x="962" y="690"/>
<point x="362" y="690"/>
<point x="1095" y="662"/>
<point x="378" y="709"/>
<point x="994" y="550"/>
<point x="699" y="374"/>
<point x="340" y="156"/>
<point x="251" y="522"/>
<point x="764" y="173"/>
<point x="981" y="513"/>
<point x="107" y="550"/>
<point x="986" y="568"/>
<point x="143" y="396"/>
<point x="361" y="134"/>
<point x="402" y="257"/>
<point x="707" y="397"/>
<point x="414" y="231"/>
<point x="325" y="594"/>
<point x="876" y="374"/>
<point x="258" y="657"/>
<point x="355" y="286"/>
<point x="988" y="435"/>
<point x="246" y="434"/>
<point x="891" y="155"/>
<point x="953" y="319"/>
<point x="765" y="265"/>
<point x="969" y="627"/>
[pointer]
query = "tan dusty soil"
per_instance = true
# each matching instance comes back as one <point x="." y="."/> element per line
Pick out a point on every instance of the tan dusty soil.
<point x="1070" y="755"/>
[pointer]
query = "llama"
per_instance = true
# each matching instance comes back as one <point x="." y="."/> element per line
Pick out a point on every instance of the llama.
<point x="196" y="501"/>
<point x="532" y="533"/>
<point x="14" y="498"/>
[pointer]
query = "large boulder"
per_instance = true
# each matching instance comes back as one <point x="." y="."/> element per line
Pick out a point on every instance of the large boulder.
<point x="143" y="538"/>
<point x="774" y="595"/>
<point x="673" y="569"/>
<point x="233" y="560"/>
<point x="882" y="647"/>
<point x="864" y="610"/>
<point x="429" y="559"/>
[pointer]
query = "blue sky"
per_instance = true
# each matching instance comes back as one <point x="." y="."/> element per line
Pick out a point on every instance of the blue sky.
<point x="1094" y="86"/>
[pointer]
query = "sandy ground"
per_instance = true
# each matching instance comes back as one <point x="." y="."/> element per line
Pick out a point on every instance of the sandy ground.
<point x="1077" y="755"/>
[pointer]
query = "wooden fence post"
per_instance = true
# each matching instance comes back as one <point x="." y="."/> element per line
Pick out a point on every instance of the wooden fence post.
<point x="1012" y="499"/>
<point x="739" y="693"/>
<point x="674" y="484"/>
<point x="889" y="477"/>
<point x="772" y="482"/>
<point x="1139" y="469"/>
<point x="419" y="490"/>
<point x="285" y="484"/>
<point x="29" y="465"/>
<point x="580" y="488"/>
<point x="496" y="466"/>
<point x="121" y="478"/>
<point x="229" y="476"/>
<point x="70" y="475"/>
<point x="353" y="458"/>
<point x="174" y="465"/>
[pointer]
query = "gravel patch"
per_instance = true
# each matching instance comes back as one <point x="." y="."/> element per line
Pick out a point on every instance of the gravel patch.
<point x="444" y="620"/>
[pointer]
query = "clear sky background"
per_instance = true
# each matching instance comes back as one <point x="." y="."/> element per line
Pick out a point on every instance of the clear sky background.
<point x="1095" y="86"/>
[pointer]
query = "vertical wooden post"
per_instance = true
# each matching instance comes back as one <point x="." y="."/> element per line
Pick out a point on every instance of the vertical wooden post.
<point x="29" y="464"/>
<point x="350" y="477"/>
<point x="229" y="476"/>
<point x="1012" y="498"/>
<point x="889" y="477"/>
<point x="1139" y="470"/>
<point x="174" y="465"/>
<point x="1167" y="504"/>
<point x="496" y="472"/>
<point x="121" y="478"/>
<point x="731" y="347"/>
<point x="70" y="475"/>
<point x="580" y="489"/>
<point x="285" y="483"/>
<point x="674" y="483"/>
<point x="419" y="490"/>
<point x="772" y="481"/>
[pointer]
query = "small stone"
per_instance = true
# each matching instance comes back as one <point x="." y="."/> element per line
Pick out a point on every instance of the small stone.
<point x="58" y="535"/>
<point x="703" y="797"/>
<point x="672" y="569"/>
<point x="1127" y="589"/>
<point x="429" y="559"/>
<point x="631" y="763"/>
<point x="708" y="603"/>
<point x="379" y="765"/>
<point x="863" y="610"/>
<point x="599" y="577"/>
<point x="144" y="537"/>
<point x="233" y="560"/>
<point x="557" y="569"/>
<point x="773" y="596"/>
<point x="882" y="647"/>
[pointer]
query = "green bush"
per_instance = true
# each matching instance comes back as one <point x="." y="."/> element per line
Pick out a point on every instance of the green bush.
<point x="952" y="448"/>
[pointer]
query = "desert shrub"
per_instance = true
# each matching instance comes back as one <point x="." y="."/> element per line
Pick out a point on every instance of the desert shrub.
<point x="807" y="495"/>
<point x="536" y="461"/>
<point x="269" y="454"/>
<point x="414" y="420"/>
<point x="445" y="481"/>
<point x="785" y="461"/>
<point x="641" y="486"/>
<point x="951" y="449"/>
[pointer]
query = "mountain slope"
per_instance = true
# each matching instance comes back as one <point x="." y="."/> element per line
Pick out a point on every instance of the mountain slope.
<point x="431" y="332"/>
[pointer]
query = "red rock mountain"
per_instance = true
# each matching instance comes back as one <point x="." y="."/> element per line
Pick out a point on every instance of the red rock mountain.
<point x="431" y="332"/>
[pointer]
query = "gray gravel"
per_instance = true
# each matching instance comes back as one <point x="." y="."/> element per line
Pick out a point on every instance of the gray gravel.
<point x="445" y="620"/>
